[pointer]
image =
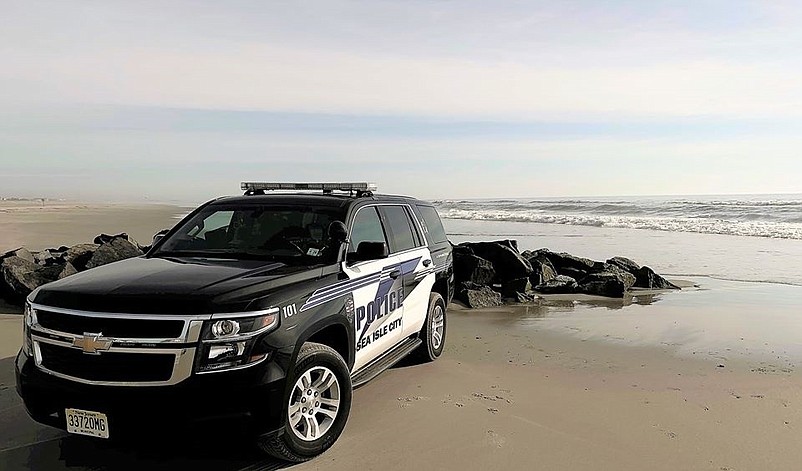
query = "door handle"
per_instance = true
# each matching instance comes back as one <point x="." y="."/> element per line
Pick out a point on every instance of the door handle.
<point x="426" y="263"/>
<point x="395" y="273"/>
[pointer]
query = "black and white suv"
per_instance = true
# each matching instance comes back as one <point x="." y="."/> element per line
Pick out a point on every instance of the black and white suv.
<point x="268" y="307"/>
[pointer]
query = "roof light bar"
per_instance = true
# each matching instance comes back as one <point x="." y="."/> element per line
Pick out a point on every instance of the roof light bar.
<point x="354" y="186"/>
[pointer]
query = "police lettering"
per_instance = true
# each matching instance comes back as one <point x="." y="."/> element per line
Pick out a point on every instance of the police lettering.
<point x="378" y="308"/>
<point x="385" y="329"/>
<point x="363" y="343"/>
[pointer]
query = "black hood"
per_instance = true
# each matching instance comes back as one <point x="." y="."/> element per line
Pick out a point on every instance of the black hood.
<point x="171" y="285"/>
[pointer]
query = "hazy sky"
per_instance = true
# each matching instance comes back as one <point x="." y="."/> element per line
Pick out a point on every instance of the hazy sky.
<point x="182" y="100"/>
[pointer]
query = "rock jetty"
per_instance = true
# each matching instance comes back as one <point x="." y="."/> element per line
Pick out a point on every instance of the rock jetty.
<point x="486" y="273"/>
<point x="491" y="273"/>
<point x="22" y="271"/>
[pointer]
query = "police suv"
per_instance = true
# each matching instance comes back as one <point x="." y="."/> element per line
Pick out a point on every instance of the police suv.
<point x="269" y="308"/>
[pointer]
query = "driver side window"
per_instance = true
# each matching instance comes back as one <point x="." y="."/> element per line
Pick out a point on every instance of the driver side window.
<point x="367" y="227"/>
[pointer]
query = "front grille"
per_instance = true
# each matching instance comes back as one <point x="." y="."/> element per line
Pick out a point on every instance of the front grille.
<point x="107" y="366"/>
<point x="110" y="326"/>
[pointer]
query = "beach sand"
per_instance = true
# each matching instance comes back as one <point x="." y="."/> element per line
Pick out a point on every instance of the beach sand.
<point x="39" y="226"/>
<point x="695" y="380"/>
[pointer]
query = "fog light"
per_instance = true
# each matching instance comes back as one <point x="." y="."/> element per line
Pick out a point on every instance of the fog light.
<point x="226" y="350"/>
<point x="225" y="328"/>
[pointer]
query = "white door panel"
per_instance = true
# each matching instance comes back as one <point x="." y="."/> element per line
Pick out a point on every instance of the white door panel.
<point x="416" y="306"/>
<point x="418" y="282"/>
<point x="378" y="308"/>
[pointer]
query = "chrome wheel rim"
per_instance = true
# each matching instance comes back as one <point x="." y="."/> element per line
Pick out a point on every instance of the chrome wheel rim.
<point x="438" y="326"/>
<point x="314" y="403"/>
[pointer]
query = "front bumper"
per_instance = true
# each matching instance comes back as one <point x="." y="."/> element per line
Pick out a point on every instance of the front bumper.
<point x="252" y="396"/>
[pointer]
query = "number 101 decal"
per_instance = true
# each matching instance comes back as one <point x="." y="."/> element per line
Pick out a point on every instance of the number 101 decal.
<point x="289" y="310"/>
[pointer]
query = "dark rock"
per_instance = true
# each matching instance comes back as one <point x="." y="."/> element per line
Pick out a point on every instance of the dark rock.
<point x="66" y="270"/>
<point x="511" y="243"/>
<point x="525" y="297"/>
<point x="466" y="285"/>
<point x="50" y="273"/>
<point x="511" y="288"/>
<point x="19" y="278"/>
<point x="560" y="285"/>
<point x="79" y="255"/>
<point x="44" y="257"/>
<point x="647" y="278"/>
<point x="21" y="252"/>
<point x="482" y="297"/>
<point x="603" y="284"/>
<point x="505" y="258"/>
<point x="625" y="264"/>
<point x="562" y="261"/>
<point x="541" y="272"/>
<point x="574" y="273"/>
<point x="474" y="269"/>
<point x="115" y="250"/>
<point x="627" y="278"/>
<point x="106" y="238"/>
<point x="458" y="250"/>
<point x="539" y="254"/>
<point x="542" y="269"/>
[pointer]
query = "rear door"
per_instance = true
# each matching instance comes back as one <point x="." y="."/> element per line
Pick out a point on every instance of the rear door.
<point x="377" y="289"/>
<point x="408" y="244"/>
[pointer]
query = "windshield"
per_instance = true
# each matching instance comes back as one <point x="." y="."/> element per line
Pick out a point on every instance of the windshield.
<point x="296" y="235"/>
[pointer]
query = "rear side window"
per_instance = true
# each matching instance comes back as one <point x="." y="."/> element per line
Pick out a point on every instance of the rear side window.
<point x="432" y="224"/>
<point x="401" y="235"/>
<point x="367" y="227"/>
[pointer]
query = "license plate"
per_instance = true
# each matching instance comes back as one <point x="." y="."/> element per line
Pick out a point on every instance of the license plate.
<point x="86" y="422"/>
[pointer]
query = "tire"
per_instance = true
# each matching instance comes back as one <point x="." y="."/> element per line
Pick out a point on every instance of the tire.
<point x="433" y="332"/>
<point x="320" y="370"/>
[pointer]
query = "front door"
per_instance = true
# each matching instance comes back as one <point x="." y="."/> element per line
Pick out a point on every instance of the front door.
<point x="378" y="291"/>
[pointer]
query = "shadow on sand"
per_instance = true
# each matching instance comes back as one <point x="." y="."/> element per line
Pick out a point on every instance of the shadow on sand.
<point x="26" y="445"/>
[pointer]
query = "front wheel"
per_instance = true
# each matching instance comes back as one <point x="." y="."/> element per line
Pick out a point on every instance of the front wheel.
<point x="433" y="333"/>
<point x="317" y="407"/>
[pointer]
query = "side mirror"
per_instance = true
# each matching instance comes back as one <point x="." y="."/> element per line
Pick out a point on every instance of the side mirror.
<point x="338" y="233"/>
<point x="370" y="251"/>
<point x="159" y="236"/>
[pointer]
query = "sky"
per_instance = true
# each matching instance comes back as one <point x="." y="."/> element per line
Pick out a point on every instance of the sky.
<point x="180" y="101"/>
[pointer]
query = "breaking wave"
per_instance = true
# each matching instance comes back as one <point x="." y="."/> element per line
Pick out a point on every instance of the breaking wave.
<point x="759" y="216"/>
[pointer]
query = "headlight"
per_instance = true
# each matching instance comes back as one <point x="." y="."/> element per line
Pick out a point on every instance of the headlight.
<point x="229" y="340"/>
<point x="27" y="323"/>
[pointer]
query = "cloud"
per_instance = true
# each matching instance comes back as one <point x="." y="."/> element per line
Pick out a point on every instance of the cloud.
<point x="259" y="77"/>
<point x="512" y="60"/>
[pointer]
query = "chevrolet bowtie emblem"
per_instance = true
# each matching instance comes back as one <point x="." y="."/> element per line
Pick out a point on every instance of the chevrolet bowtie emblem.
<point x="92" y="343"/>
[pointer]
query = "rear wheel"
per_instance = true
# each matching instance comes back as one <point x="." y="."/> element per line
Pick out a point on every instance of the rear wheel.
<point x="433" y="333"/>
<point x="317" y="407"/>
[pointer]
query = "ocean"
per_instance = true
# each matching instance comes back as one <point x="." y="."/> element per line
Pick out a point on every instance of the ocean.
<point x="774" y="216"/>
<point x="755" y="238"/>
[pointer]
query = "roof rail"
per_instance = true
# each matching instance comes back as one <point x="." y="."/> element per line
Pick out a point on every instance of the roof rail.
<point x="358" y="188"/>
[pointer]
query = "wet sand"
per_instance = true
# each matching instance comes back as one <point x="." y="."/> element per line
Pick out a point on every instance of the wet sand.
<point x="702" y="379"/>
<point x="513" y="391"/>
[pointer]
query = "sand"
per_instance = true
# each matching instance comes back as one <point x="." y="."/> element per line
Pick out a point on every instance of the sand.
<point x="660" y="382"/>
<point x="39" y="226"/>
<point x="506" y="398"/>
